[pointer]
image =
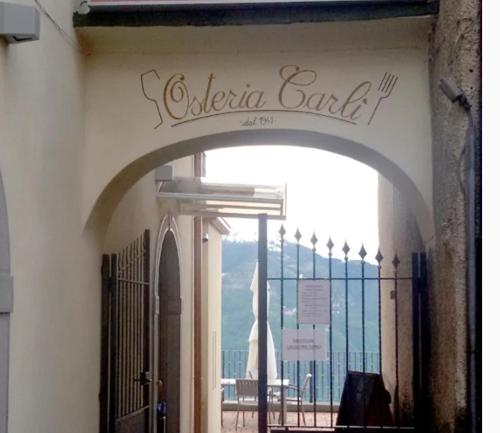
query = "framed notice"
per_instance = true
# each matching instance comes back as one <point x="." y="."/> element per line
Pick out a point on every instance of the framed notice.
<point x="314" y="302"/>
<point x="304" y="344"/>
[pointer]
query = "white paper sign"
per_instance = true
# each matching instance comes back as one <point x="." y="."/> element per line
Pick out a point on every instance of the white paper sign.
<point x="314" y="302"/>
<point x="304" y="344"/>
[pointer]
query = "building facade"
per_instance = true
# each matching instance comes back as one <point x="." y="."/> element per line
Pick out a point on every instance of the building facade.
<point x="89" y="110"/>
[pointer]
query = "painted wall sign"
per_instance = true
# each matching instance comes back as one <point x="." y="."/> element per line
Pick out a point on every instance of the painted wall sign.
<point x="314" y="302"/>
<point x="304" y="344"/>
<point x="298" y="89"/>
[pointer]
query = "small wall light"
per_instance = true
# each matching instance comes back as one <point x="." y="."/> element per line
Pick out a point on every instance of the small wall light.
<point x="454" y="93"/>
<point x="83" y="8"/>
<point x="19" y="23"/>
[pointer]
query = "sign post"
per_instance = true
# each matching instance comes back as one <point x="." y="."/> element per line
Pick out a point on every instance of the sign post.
<point x="262" y="324"/>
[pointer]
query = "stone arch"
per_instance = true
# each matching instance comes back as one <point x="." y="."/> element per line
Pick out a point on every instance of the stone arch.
<point x="113" y="192"/>
<point x="5" y="308"/>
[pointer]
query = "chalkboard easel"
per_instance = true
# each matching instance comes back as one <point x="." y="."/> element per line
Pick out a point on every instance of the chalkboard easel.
<point x="364" y="401"/>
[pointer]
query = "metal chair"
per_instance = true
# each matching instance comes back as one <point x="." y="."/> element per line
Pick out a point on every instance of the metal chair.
<point x="299" y="399"/>
<point x="247" y="396"/>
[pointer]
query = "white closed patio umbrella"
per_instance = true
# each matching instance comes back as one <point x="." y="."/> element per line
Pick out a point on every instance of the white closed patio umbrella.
<point x="253" y="339"/>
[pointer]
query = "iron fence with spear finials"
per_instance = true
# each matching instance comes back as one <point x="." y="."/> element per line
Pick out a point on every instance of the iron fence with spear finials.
<point x="363" y="330"/>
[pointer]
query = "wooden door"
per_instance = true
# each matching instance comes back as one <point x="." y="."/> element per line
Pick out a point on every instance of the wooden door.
<point x="169" y="334"/>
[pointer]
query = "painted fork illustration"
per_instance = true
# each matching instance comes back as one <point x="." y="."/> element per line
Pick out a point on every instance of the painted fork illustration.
<point x="385" y="89"/>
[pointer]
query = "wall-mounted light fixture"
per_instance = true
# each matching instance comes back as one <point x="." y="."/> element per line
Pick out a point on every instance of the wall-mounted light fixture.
<point x="164" y="173"/>
<point x="454" y="93"/>
<point x="19" y="23"/>
<point x="83" y="8"/>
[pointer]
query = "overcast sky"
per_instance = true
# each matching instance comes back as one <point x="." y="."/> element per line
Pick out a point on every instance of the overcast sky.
<point x="327" y="193"/>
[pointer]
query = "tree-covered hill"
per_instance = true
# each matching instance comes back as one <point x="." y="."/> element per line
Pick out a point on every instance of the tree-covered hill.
<point x="239" y="260"/>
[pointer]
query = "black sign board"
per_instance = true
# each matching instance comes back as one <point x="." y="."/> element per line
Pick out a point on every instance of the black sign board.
<point x="364" y="401"/>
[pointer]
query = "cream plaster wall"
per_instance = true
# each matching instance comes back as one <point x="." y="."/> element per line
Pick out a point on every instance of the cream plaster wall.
<point x="73" y="126"/>
<point x="5" y="309"/>
<point x="211" y="331"/>
<point x="55" y="324"/>
<point x="398" y="233"/>
<point x="54" y="349"/>
<point x="121" y="120"/>
<point x="139" y="210"/>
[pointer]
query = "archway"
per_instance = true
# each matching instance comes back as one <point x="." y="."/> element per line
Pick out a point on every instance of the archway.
<point x="169" y="333"/>
<point x="128" y="175"/>
<point x="100" y="206"/>
<point x="5" y="308"/>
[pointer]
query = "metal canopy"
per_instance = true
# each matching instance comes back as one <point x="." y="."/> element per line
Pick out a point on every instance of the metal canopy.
<point x="215" y="199"/>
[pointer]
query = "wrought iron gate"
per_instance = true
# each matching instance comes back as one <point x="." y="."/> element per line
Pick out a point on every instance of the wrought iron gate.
<point x="399" y="293"/>
<point x="125" y="340"/>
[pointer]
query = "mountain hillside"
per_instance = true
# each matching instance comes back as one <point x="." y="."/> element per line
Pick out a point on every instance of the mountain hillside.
<point x="238" y="265"/>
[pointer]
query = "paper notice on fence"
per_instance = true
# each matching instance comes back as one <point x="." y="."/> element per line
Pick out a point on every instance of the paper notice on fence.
<point x="304" y="344"/>
<point x="314" y="302"/>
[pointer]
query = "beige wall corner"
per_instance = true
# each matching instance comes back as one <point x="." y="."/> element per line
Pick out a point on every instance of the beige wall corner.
<point x="140" y="209"/>
<point x="212" y="322"/>
<point x="54" y="331"/>
<point x="398" y="234"/>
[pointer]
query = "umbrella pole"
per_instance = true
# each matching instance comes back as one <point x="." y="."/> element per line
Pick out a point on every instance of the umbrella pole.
<point x="262" y="323"/>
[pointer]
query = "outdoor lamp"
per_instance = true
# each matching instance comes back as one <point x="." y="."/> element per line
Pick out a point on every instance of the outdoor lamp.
<point x="83" y="8"/>
<point x="19" y="23"/>
<point x="454" y="93"/>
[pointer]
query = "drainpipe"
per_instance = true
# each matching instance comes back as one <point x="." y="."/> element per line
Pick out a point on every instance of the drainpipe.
<point x="471" y="154"/>
<point x="197" y="323"/>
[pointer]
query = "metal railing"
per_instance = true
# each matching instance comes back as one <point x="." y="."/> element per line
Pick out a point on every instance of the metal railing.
<point x="234" y="363"/>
